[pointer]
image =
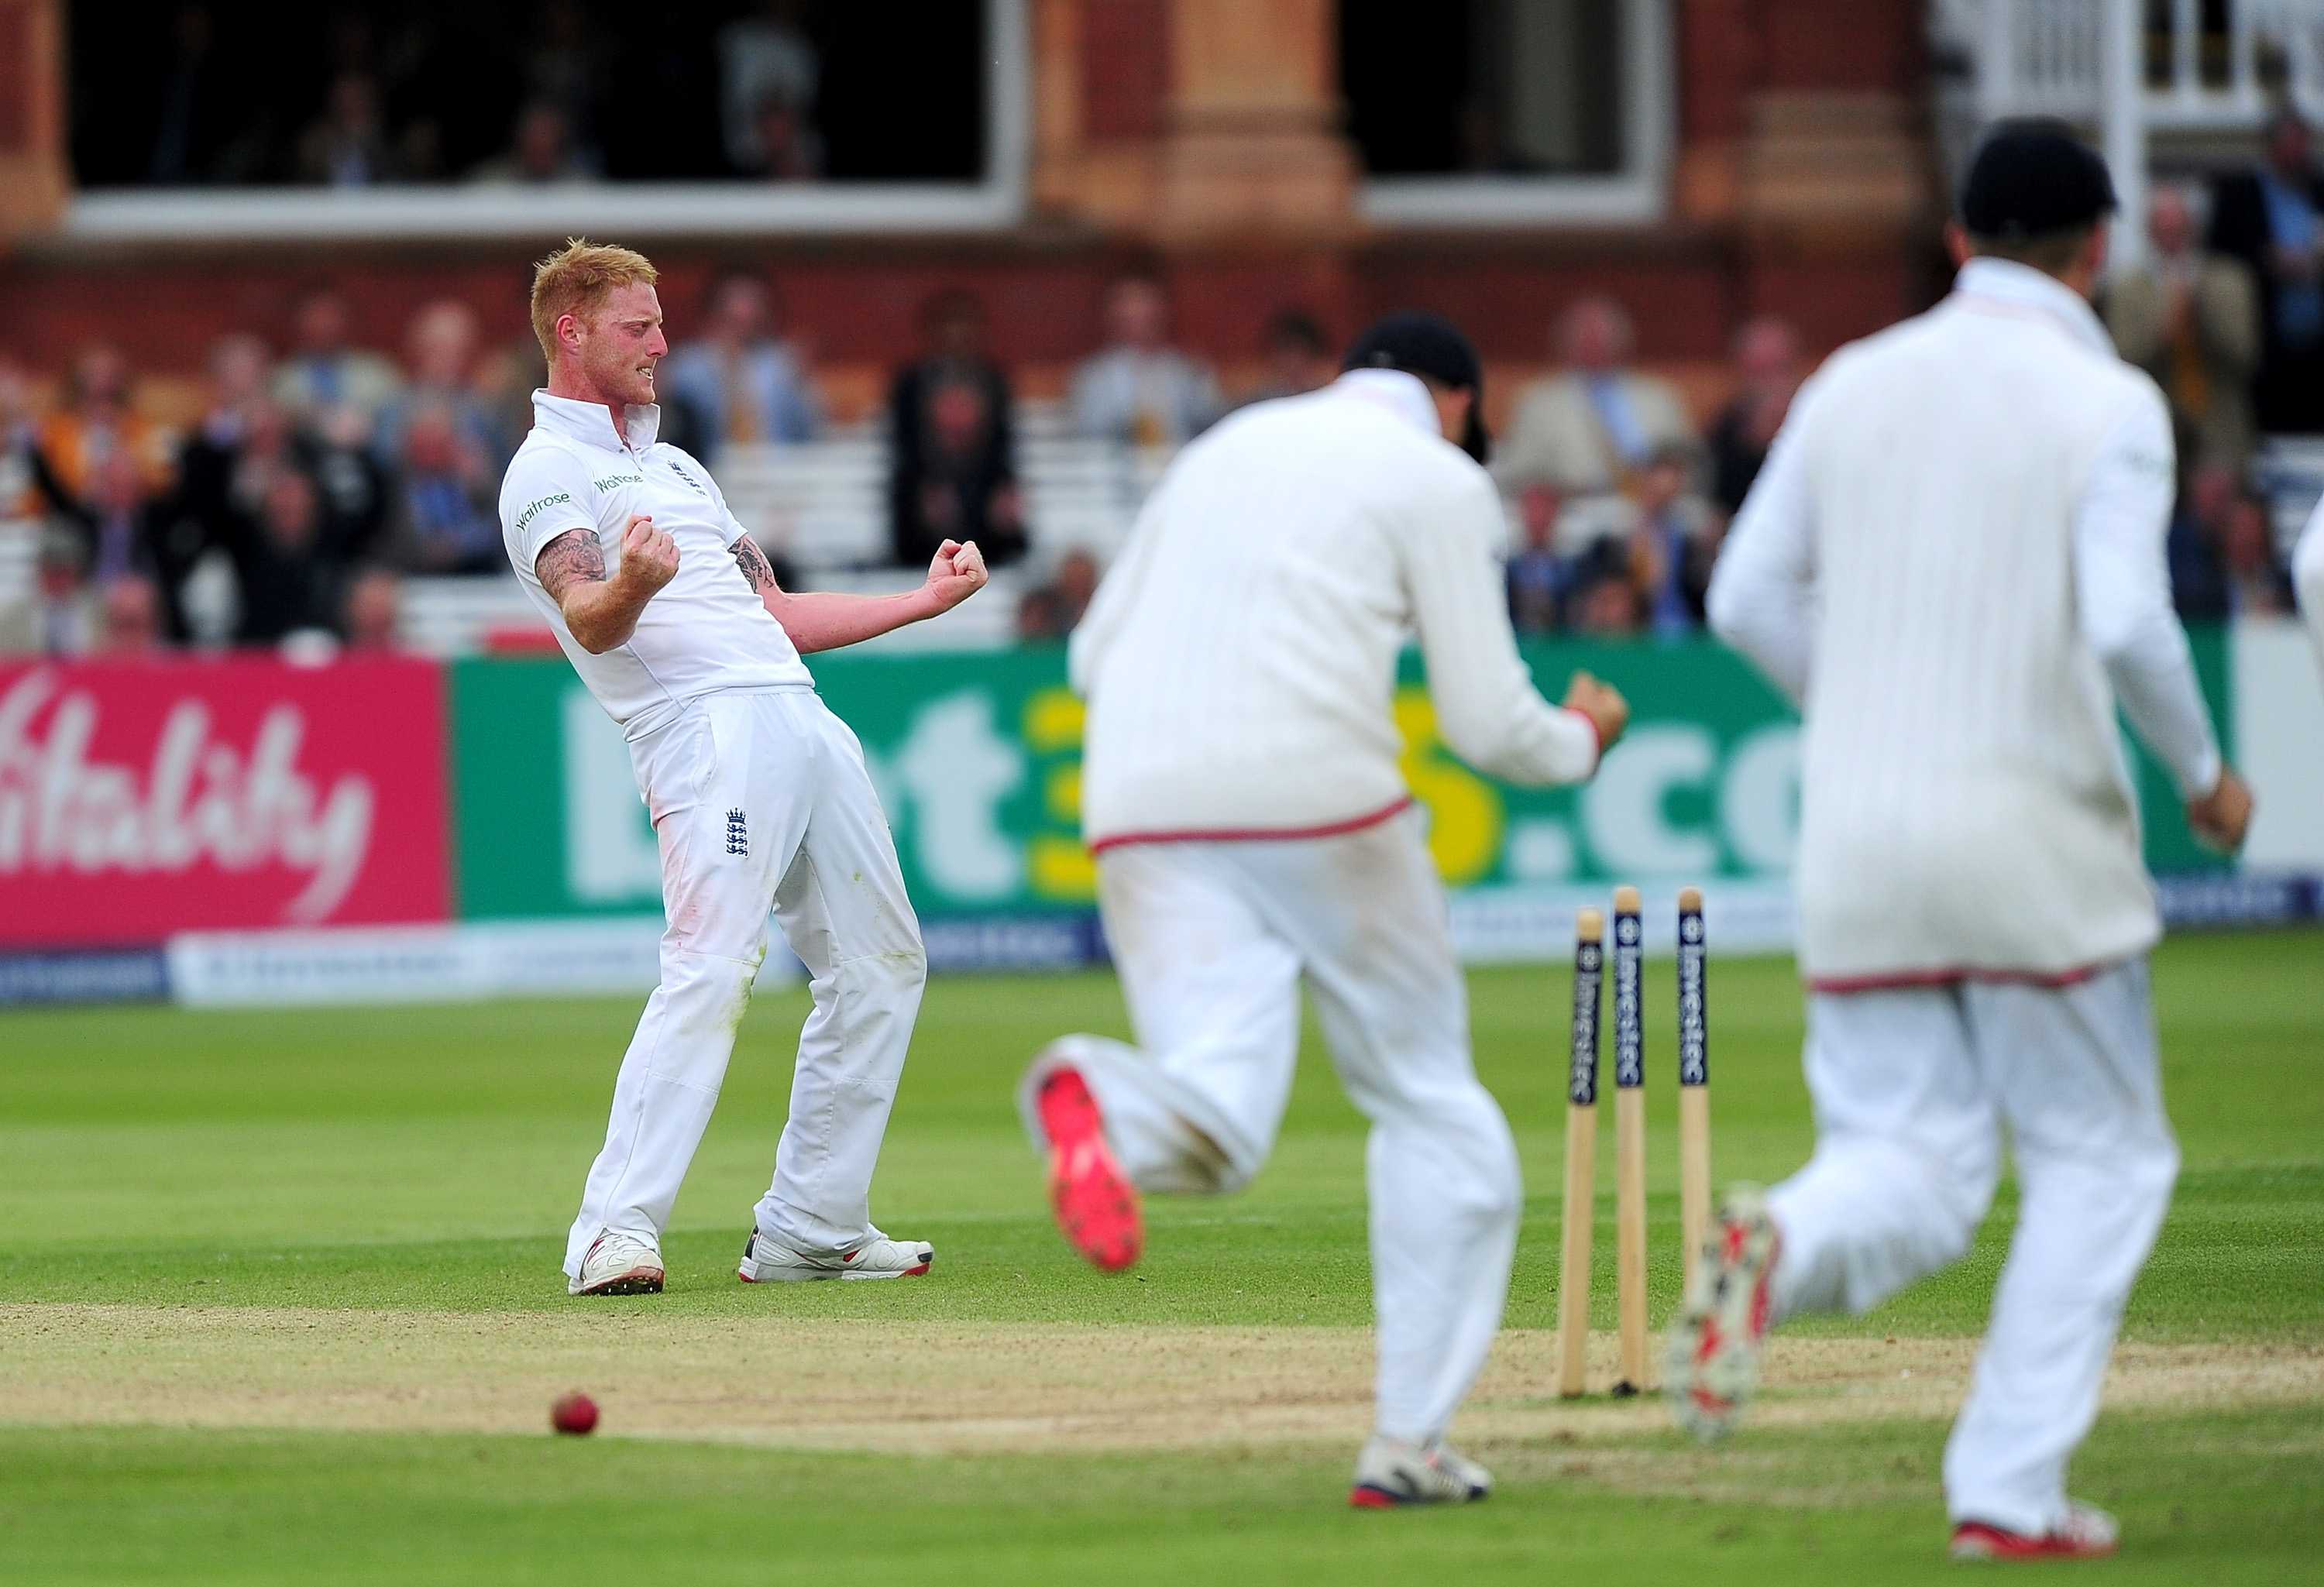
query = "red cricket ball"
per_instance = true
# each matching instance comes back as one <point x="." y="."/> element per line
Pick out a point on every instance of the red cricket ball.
<point x="572" y="1413"/>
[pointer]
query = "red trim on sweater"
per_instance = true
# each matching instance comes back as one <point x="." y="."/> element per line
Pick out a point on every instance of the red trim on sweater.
<point x="1911" y="979"/>
<point x="1590" y="722"/>
<point x="1256" y="835"/>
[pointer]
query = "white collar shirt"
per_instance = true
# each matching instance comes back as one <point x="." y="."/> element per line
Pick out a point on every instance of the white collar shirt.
<point x="707" y="628"/>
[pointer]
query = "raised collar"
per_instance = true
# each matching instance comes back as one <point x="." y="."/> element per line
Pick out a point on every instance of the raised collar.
<point x="2022" y="288"/>
<point x="593" y="422"/>
<point x="1402" y="395"/>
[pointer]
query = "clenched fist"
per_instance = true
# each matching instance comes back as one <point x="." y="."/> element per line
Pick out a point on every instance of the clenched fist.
<point x="956" y="573"/>
<point x="2221" y="817"/>
<point x="1603" y="703"/>
<point x="649" y="557"/>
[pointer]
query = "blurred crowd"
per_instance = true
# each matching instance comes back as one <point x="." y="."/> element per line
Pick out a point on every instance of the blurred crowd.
<point x="315" y="478"/>
<point x="2226" y="313"/>
<point x="292" y="503"/>
<point x="318" y="475"/>
<point x="512" y="93"/>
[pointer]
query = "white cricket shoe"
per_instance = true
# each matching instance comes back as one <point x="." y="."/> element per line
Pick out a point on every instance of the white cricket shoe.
<point x="619" y="1264"/>
<point x="1391" y="1473"/>
<point x="1721" y="1331"/>
<point x="766" y="1260"/>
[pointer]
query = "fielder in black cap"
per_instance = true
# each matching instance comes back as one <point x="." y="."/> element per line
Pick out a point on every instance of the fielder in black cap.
<point x="2036" y="194"/>
<point x="1432" y="348"/>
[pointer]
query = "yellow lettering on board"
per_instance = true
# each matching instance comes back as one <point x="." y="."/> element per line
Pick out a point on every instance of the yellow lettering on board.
<point x="1465" y="815"/>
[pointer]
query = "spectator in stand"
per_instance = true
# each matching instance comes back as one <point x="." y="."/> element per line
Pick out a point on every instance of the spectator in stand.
<point x="270" y="446"/>
<point x="1051" y="611"/>
<point x="444" y="519"/>
<point x="741" y="383"/>
<point x="789" y="149"/>
<point x="97" y="422"/>
<point x="208" y="456"/>
<point x="952" y="442"/>
<point x="115" y="516"/>
<point x="440" y="358"/>
<point x="1298" y="357"/>
<point x="197" y="112"/>
<point x="59" y="618"/>
<point x="1536" y="574"/>
<point x="2258" y="585"/>
<point x="323" y="371"/>
<point x="565" y="68"/>
<point x="2194" y="548"/>
<point x="2222" y="551"/>
<point x="762" y="59"/>
<point x="1674" y="542"/>
<point x="1767" y="374"/>
<point x="347" y="146"/>
<point x="374" y="610"/>
<point x="1074" y="583"/>
<point x="357" y="500"/>
<point x="20" y="495"/>
<point x="2191" y="320"/>
<point x="1139" y="389"/>
<point x="129" y="618"/>
<point x="1040" y="617"/>
<point x="1603" y="599"/>
<point x="290" y="575"/>
<point x="1591" y="426"/>
<point x="540" y="152"/>
<point x="2271" y="218"/>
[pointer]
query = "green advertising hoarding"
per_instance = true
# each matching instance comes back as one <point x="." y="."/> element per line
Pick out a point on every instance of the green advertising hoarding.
<point x="978" y="760"/>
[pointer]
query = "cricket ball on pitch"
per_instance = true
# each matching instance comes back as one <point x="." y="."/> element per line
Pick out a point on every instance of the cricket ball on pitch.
<point x="573" y="1412"/>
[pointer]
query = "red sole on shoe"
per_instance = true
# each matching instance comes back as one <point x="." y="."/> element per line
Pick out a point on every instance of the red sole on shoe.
<point x="640" y="1281"/>
<point x="1373" y="1498"/>
<point x="1991" y="1543"/>
<point x="1096" y="1205"/>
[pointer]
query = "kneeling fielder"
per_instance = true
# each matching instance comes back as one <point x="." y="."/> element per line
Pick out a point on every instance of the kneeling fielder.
<point x="758" y="796"/>
<point x="1253" y="833"/>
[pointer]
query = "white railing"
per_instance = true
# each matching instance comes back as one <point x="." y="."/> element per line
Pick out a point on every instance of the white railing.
<point x="2049" y="58"/>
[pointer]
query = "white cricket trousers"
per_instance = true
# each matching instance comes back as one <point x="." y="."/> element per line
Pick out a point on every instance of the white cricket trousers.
<point x="761" y="802"/>
<point x="1912" y="1088"/>
<point x="1213" y="939"/>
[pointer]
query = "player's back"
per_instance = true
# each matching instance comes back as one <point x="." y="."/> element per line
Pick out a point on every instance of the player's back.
<point x="1240" y="660"/>
<point x="1964" y="797"/>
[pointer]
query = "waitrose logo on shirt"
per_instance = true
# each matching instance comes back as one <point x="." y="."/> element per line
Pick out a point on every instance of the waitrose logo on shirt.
<point x="610" y="480"/>
<point x="533" y="509"/>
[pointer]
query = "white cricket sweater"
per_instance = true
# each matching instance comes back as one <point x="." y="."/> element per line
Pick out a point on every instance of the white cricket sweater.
<point x="1956" y="546"/>
<point x="2308" y="577"/>
<point x="1239" y="658"/>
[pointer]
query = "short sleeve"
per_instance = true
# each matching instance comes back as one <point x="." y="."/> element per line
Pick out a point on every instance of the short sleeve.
<point x="546" y="492"/>
<point x="690" y="466"/>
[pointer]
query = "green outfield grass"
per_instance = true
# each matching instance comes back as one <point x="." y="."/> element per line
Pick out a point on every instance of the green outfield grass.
<point x="422" y="1163"/>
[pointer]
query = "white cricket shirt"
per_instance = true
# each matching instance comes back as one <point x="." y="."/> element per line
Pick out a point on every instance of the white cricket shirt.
<point x="704" y="631"/>
<point x="1956" y="547"/>
<point x="1239" y="658"/>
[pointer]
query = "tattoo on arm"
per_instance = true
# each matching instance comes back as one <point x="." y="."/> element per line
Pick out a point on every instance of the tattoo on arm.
<point x="573" y="557"/>
<point x="753" y="561"/>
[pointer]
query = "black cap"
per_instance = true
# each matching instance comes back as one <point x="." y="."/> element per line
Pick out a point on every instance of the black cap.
<point x="1428" y="344"/>
<point x="2035" y="178"/>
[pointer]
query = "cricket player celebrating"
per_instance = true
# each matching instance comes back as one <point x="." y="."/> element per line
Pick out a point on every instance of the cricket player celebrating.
<point x="759" y="794"/>
<point x="1252" y="832"/>
<point x="1955" y="549"/>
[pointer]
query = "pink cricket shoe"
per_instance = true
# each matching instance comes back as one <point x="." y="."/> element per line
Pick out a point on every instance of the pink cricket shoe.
<point x="1095" y="1205"/>
<point x="1721" y="1331"/>
<point x="2084" y="1532"/>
